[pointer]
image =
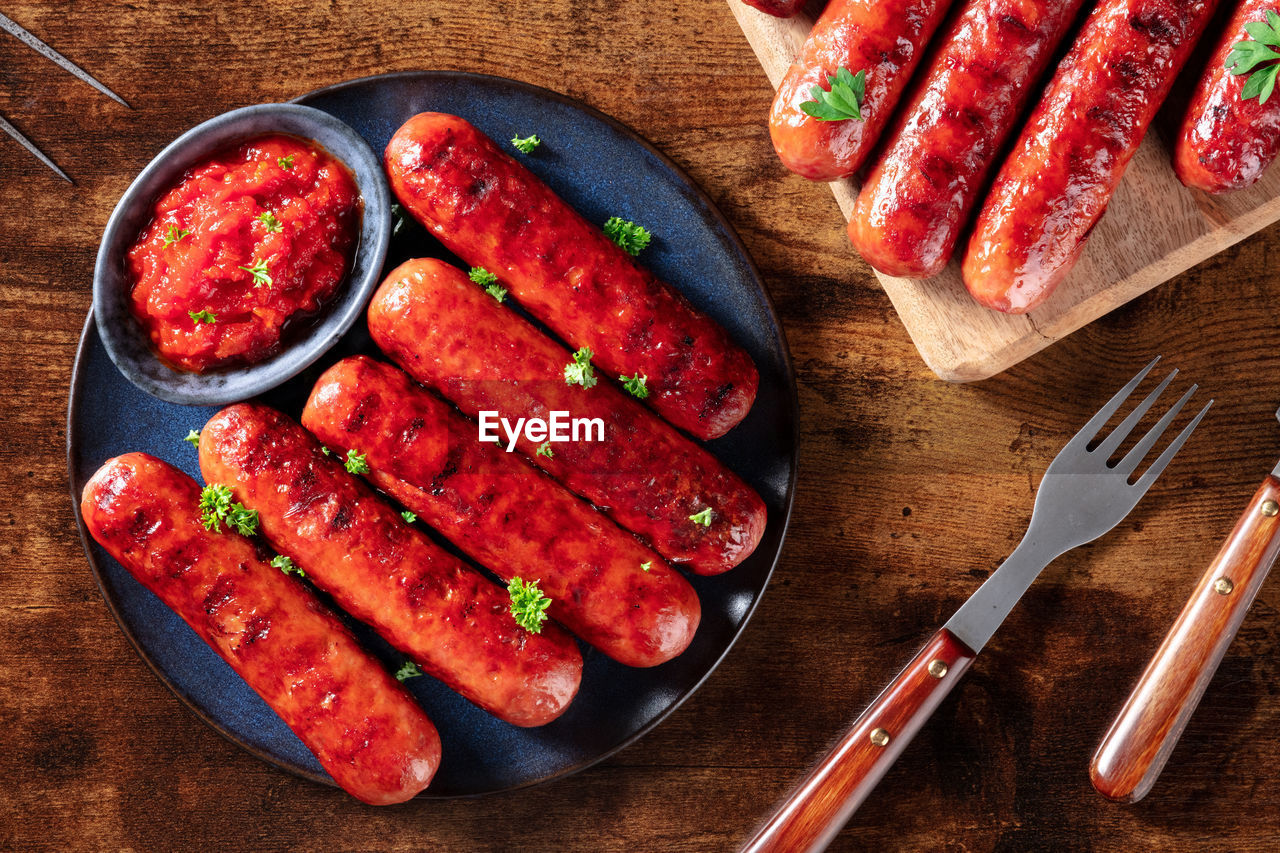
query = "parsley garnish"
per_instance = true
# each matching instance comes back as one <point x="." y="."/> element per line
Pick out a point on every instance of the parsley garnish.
<point x="528" y="604"/>
<point x="703" y="517"/>
<point x="285" y="162"/>
<point x="843" y="101"/>
<point x="193" y="438"/>
<point x="647" y="565"/>
<point x="287" y="566"/>
<point x="355" y="462"/>
<point x="630" y="237"/>
<point x="409" y="670"/>
<point x="408" y="516"/>
<point x="636" y="385"/>
<point x="498" y="293"/>
<point x="579" y="371"/>
<point x="481" y="276"/>
<point x="269" y="219"/>
<point x="398" y="219"/>
<point x="544" y="449"/>
<point x="1256" y="55"/>
<point x="259" y="272"/>
<point x="324" y="450"/>
<point x="175" y="235"/>
<point x="202" y="316"/>
<point x="216" y="507"/>
<point x="526" y="145"/>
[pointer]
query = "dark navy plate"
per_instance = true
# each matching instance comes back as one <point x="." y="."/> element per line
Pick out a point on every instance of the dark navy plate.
<point x="602" y="169"/>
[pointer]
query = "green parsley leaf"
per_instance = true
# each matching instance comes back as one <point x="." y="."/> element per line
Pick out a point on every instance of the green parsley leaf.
<point x="269" y="219"/>
<point x="647" y="565"/>
<point x="193" y="438"/>
<point x="409" y="670"/>
<point x="243" y="519"/>
<point x="526" y="145"/>
<point x="408" y="516"/>
<point x="261" y="275"/>
<point x="175" y="235"/>
<point x="636" y="385"/>
<point x="498" y="293"/>
<point x="399" y="219"/>
<point x="285" y="162"/>
<point x="287" y="566"/>
<point x="630" y="237"/>
<point x="481" y="276"/>
<point x="1256" y="56"/>
<point x="216" y="507"/>
<point x="703" y="517"/>
<point x="202" y="316"/>
<point x="544" y="449"/>
<point x="528" y="604"/>
<point x="355" y="462"/>
<point x="324" y="450"/>
<point x="580" y="371"/>
<point x="843" y="101"/>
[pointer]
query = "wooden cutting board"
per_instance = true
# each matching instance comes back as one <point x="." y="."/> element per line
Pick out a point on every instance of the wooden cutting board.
<point x="1154" y="229"/>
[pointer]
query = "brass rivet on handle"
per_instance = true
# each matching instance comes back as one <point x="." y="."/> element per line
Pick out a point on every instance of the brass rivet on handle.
<point x="1223" y="586"/>
<point x="1270" y="508"/>
<point x="937" y="668"/>
<point x="880" y="737"/>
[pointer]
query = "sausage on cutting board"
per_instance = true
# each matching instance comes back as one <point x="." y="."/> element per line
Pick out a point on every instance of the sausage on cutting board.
<point x="492" y="212"/>
<point x="924" y="186"/>
<point x="1056" y="183"/>
<point x="450" y="619"/>
<point x="605" y="586"/>
<point x="449" y="334"/>
<point x="365" y="729"/>
<point x="1226" y="143"/>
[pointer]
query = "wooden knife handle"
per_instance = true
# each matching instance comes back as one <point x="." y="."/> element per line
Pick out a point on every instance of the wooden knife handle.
<point x="816" y="810"/>
<point x="1135" y="749"/>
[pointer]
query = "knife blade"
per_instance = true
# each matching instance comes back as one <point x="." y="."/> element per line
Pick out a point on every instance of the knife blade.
<point x="12" y="28"/>
<point x="30" y="146"/>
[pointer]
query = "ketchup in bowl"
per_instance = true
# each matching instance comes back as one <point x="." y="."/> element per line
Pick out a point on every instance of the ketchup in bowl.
<point x="255" y="239"/>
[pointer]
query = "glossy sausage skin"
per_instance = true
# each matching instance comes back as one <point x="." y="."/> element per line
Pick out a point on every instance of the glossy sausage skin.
<point x="452" y="621"/>
<point x="449" y="334"/>
<point x="505" y="513"/>
<point x="1227" y="143"/>
<point x="923" y="188"/>
<point x="368" y="733"/>
<point x="777" y="8"/>
<point x="1061" y="174"/>
<point x="492" y="212"/>
<point x="884" y="38"/>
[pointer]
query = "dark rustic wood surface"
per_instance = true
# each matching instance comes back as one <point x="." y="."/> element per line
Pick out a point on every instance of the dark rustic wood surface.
<point x="911" y="490"/>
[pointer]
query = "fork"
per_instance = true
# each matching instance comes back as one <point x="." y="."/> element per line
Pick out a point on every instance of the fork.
<point x="1082" y="496"/>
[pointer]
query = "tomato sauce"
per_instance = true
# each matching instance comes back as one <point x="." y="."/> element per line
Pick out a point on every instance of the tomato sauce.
<point x="250" y="242"/>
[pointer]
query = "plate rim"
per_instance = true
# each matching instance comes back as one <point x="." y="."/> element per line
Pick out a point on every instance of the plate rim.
<point x="788" y="498"/>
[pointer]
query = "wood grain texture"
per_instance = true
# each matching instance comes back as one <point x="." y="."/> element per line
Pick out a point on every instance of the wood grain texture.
<point x="1140" y="741"/>
<point x="1155" y="228"/>
<point x="911" y="490"/>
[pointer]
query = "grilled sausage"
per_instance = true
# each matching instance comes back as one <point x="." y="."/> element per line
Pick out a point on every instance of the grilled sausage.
<point x="1055" y="185"/>
<point x="777" y="8"/>
<point x="448" y="334"/>
<point x="494" y="213"/>
<point x="367" y="732"/>
<point x="455" y="623"/>
<point x="922" y="189"/>
<point x="604" y="585"/>
<point x="884" y="38"/>
<point x="1227" y="143"/>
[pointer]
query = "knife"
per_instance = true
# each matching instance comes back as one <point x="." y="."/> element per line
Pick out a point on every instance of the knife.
<point x="1139" y="742"/>
<point x="1082" y="496"/>
<point x="11" y="27"/>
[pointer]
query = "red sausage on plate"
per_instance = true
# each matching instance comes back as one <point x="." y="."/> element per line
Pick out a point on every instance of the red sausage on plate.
<point x="884" y="38"/>
<point x="450" y="619"/>
<point x="449" y="334"/>
<point x="1057" y="182"/>
<point x="777" y="8"/>
<point x="1226" y="143"/>
<point x="604" y="584"/>
<point x="924" y="186"/>
<point x="492" y="212"/>
<point x="368" y="733"/>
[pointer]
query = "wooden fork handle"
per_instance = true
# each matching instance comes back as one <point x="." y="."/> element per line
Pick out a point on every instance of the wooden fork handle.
<point x="816" y="810"/>
<point x="1135" y="749"/>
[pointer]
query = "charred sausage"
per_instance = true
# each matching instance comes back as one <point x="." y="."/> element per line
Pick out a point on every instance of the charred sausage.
<point x="455" y="623"/>
<point x="494" y="213"/>
<point x="367" y="732"/>
<point x="448" y="334"/>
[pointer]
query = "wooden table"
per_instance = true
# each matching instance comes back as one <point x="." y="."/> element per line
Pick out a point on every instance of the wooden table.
<point x="911" y="490"/>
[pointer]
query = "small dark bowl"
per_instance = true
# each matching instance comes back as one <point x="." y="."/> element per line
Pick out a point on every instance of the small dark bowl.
<point x="123" y="336"/>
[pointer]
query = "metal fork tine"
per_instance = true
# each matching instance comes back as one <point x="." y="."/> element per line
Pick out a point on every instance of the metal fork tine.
<point x="1098" y="421"/>
<point x="1134" y="457"/>
<point x="1121" y="432"/>
<point x="1158" y="466"/>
